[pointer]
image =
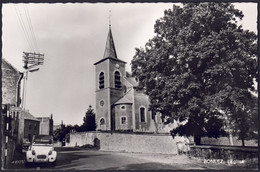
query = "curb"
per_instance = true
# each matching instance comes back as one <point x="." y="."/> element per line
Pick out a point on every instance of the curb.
<point x="18" y="162"/>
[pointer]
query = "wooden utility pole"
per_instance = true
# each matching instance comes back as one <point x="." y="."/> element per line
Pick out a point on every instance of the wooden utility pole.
<point x="31" y="61"/>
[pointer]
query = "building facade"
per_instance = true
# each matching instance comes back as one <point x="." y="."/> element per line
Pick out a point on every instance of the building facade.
<point x="119" y="105"/>
<point x="11" y="79"/>
<point x="28" y="125"/>
<point x="46" y="125"/>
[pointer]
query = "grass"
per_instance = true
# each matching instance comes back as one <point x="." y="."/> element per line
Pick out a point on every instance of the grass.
<point x="225" y="141"/>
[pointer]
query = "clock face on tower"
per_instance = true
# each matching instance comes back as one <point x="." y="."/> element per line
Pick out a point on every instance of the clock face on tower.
<point x="117" y="66"/>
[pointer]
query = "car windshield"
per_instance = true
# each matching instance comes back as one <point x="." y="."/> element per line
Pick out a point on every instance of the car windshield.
<point x="43" y="140"/>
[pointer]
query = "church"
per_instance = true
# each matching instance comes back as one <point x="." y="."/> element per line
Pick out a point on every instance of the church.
<point x="119" y="105"/>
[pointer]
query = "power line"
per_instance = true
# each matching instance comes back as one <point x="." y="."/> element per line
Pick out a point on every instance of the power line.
<point x="31" y="60"/>
<point x="23" y="26"/>
<point x="27" y="28"/>
<point x="31" y="27"/>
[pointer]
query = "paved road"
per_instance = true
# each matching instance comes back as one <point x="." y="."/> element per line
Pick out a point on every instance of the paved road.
<point x="82" y="159"/>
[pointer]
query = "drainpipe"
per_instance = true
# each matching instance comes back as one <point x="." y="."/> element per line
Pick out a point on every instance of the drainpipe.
<point x="18" y="101"/>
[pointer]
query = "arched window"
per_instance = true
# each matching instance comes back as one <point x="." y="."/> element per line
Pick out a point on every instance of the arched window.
<point x="123" y="120"/>
<point x="101" y="80"/>
<point x="102" y="121"/>
<point x="142" y="114"/>
<point x="101" y="103"/>
<point x="117" y="80"/>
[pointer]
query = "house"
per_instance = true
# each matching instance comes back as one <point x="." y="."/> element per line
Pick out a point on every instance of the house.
<point x="21" y="124"/>
<point x="28" y="125"/>
<point x="119" y="105"/>
<point x="11" y="79"/>
<point x="46" y="125"/>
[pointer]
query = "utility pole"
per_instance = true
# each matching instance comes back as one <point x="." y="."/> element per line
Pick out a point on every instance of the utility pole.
<point x="31" y="61"/>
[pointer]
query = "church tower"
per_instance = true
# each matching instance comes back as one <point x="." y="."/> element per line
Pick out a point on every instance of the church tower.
<point x="110" y="72"/>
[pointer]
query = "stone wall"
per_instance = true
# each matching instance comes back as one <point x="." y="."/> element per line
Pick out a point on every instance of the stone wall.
<point x="225" y="141"/>
<point x="10" y="77"/>
<point x="82" y="138"/>
<point x="127" y="142"/>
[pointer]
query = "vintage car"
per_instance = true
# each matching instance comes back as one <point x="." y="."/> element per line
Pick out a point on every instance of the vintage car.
<point x="41" y="150"/>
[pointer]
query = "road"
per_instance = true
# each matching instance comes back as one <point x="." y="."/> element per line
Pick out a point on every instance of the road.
<point x="83" y="159"/>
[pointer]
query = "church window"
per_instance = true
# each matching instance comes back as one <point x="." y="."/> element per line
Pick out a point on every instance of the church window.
<point x="101" y="80"/>
<point x="142" y="114"/>
<point x="123" y="120"/>
<point x="123" y="107"/>
<point x="117" y="80"/>
<point x="102" y="121"/>
<point x="101" y="103"/>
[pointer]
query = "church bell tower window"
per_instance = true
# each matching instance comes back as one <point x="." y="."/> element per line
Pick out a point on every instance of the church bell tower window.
<point x="117" y="80"/>
<point x="142" y="114"/>
<point x="102" y="121"/>
<point x="101" y="80"/>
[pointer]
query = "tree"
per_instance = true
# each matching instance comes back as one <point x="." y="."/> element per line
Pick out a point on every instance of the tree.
<point x="245" y="121"/>
<point x="89" y="123"/>
<point x="200" y="63"/>
<point x="60" y="133"/>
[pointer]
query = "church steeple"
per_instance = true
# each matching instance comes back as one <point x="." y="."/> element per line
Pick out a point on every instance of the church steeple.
<point x="110" y="72"/>
<point x="110" y="50"/>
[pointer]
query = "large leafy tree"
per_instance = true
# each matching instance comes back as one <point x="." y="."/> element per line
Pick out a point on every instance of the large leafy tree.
<point x="200" y="67"/>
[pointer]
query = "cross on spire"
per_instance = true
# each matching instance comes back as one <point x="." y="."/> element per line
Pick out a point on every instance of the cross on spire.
<point x="109" y="18"/>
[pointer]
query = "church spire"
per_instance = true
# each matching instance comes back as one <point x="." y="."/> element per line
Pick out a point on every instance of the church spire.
<point x="110" y="50"/>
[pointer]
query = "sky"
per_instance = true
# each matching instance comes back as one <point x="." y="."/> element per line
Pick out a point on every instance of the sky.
<point x="72" y="37"/>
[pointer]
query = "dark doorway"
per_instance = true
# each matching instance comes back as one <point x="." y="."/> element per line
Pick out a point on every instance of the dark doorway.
<point x="113" y="118"/>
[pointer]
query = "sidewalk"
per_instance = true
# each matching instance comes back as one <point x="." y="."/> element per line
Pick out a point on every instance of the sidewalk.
<point x="18" y="160"/>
